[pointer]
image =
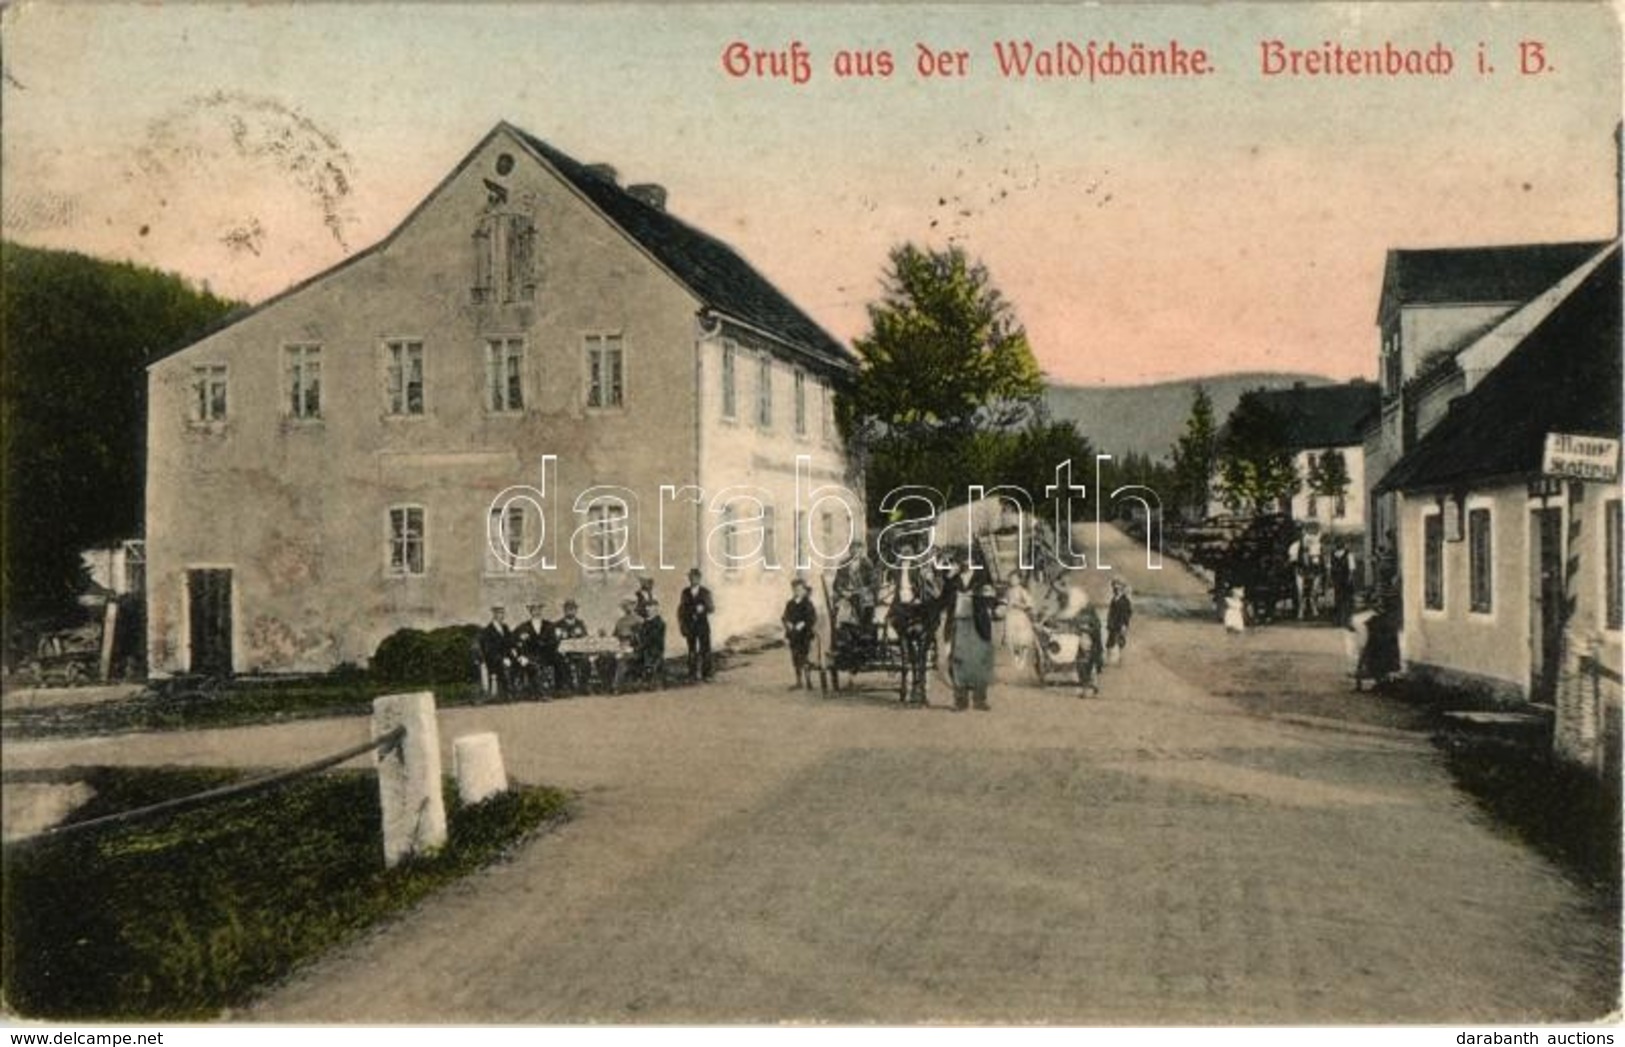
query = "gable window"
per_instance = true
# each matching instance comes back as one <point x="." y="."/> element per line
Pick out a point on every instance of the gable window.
<point x="605" y="371"/>
<point x="1611" y="563"/>
<point x="209" y="393"/>
<point x="504" y="374"/>
<point x="764" y="392"/>
<point x="508" y="531"/>
<point x="406" y="540"/>
<point x="801" y="403"/>
<point x="1433" y="561"/>
<point x="1479" y="564"/>
<point x="404" y="367"/>
<point x="730" y="403"/>
<point x="304" y="371"/>
<point x="504" y="258"/>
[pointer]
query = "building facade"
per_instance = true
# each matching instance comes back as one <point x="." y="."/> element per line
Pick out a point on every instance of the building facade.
<point x="521" y="393"/>
<point x="1508" y="520"/>
<point x="1434" y="304"/>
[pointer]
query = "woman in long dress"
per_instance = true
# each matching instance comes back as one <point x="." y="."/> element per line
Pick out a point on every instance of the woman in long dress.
<point x="1018" y="618"/>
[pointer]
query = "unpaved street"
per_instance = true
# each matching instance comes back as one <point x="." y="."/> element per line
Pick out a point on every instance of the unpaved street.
<point x="742" y="852"/>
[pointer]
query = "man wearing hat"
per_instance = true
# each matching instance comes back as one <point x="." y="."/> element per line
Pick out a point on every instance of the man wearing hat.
<point x="971" y="605"/>
<point x="1118" y="613"/>
<point x="694" y="611"/>
<point x="645" y="593"/>
<point x="652" y="643"/>
<point x="800" y="622"/>
<point x="538" y="645"/>
<point x="627" y="630"/>
<point x="578" y="667"/>
<point x="496" y="655"/>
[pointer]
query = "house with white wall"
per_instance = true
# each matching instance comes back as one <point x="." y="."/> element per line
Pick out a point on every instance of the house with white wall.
<point x="1508" y="516"/>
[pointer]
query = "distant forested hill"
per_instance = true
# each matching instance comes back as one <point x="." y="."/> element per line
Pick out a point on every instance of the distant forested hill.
<point x="1147" y="419"/>
<point x="77" y="335"/>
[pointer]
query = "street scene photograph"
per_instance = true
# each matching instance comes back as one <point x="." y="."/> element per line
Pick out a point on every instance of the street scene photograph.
<point x="806" y="515"/>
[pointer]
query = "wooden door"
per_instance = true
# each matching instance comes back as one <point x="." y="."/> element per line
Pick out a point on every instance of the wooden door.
<point x="208" y="593"/>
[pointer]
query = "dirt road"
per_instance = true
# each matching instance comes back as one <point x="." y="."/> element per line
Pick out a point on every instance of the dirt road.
<point x="1162" y="854"/>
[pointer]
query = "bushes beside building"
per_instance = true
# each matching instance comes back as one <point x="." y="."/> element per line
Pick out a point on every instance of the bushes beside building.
<point x="444" y="655"/>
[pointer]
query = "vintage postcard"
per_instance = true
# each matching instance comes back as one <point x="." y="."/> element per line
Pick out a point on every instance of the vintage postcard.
<point x="901" y="514"/>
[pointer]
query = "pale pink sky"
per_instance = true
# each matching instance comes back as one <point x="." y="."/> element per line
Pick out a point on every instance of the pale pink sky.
<point x="1142" y="229"/>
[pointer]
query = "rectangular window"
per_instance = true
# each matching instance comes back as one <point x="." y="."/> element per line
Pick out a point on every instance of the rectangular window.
<point x="209" y="393"/>
<point x="730" y="402"/>
<point x="1611" y="562"/>
<point x="1479" y="564"/>
<point x="1340" y="505"/>
<point x="770" y="537"/>
<point x="406" y="544"/>
<point x="304" y="381"/>
<point x="608" y="537"/>
<point x="764" y="393"/>
<point x="1312" y="505"/>
<point x="605" y="374"/>
<point x="1433" y="561"/>
<point x="404" y="366"/>
<point x="828" y="404"/>
<point x="507" y="532"/>
<point x="800" y="544"/>
<point x="801" y="403"/>
<point x="504" y="374"/>
<point x="730" y="538"/>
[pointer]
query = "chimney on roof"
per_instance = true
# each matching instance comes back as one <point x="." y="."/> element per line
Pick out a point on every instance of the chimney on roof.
<point x="649" y="193"/>
<point x="605" y="172"/>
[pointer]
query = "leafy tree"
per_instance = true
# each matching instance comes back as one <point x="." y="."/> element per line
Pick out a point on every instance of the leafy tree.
<point x="948" y="392"/>
<point x="78" y="334"/>
<point x="1255" y="465"/>
<point x="1195" y="457"/>
<point x="944" y="353"/>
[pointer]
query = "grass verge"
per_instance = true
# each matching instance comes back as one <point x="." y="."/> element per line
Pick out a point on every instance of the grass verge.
<point x="1566" y="813"/>
<point x="185" y="917"/>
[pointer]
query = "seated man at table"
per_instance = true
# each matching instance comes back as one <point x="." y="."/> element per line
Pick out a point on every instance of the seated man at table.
<point x="578" y="665"/>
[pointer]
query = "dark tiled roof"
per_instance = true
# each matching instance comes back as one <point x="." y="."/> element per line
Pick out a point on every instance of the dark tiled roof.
<point x="1508" y="273"/>
<point x="1564" y="377"/>
<point x="706" y="265"/>
<point x="1321" y="415"/>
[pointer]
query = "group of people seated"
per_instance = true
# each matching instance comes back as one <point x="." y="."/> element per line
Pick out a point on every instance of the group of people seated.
<point x="543" y="658"/>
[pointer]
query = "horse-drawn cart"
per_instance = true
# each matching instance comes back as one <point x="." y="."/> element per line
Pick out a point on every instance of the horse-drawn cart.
<point x="879" y="635"/>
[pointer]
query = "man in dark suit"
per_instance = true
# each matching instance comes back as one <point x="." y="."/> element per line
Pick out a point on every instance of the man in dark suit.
<point x="694" y="611"/>
<point x="496" y="655"/>
<point x="537" y="644"/>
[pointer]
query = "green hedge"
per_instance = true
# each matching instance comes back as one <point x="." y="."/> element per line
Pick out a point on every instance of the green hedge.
<point x="444" y="655"/>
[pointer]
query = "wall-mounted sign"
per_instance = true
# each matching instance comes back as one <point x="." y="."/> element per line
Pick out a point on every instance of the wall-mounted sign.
<point x="1581" y="457"/>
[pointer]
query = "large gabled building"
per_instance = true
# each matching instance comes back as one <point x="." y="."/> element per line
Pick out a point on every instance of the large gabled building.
<point x="331" y="466"/>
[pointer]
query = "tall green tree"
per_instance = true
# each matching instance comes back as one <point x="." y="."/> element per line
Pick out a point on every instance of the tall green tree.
<point x="948" y="391"/>
<point x="1195" y="457"/>
<point x="78" y="333"/>
<point x="1255" y="465"/>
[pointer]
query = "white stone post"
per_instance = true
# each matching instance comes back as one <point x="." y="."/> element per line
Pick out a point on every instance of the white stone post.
<point x="409" y="791"/>
<point x="477" y="760"/>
